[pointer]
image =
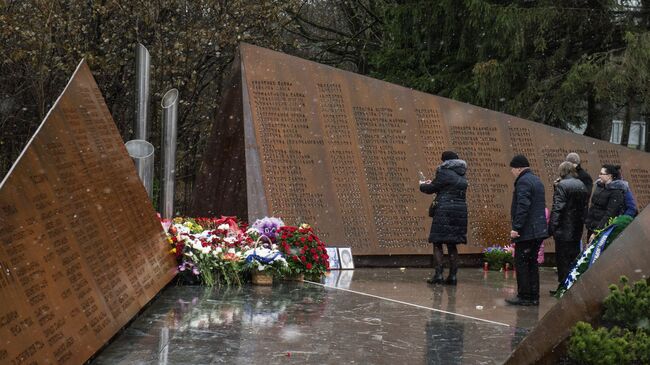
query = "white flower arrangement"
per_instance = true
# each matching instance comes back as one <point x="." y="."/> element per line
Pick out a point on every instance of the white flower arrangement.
<point x="263" y="258"/>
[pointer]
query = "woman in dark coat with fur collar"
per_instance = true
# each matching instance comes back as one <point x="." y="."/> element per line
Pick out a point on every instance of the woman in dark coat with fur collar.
<point x="449" y="225"/>
<point x="608" y="200"/>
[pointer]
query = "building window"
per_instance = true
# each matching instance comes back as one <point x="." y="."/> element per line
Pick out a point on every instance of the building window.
<point x="617" y="131"/>
<point x="636" y="139"/>
<point x="637" y="135"/>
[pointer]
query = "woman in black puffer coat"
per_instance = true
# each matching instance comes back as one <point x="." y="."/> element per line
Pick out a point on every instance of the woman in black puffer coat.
<point x="449" y="225"/>
<point x="608" y="200"/>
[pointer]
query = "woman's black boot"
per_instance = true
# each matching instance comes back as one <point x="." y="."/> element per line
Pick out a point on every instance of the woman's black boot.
<point x="451" y="279"/>
<point x="437" y="276"/>
<point x="453" y="265"/>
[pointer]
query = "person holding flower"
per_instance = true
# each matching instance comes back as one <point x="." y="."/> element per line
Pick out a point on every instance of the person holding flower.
<point x="449" y="213"/>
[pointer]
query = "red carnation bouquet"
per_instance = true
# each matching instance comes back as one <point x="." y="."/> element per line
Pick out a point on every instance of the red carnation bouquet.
<point x="304" y="251"/>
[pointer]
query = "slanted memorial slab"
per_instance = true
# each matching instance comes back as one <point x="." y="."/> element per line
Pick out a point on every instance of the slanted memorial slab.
<point x="628" y="255"/>
<point x="82" y="250"/>
<point x="311" y="143"/>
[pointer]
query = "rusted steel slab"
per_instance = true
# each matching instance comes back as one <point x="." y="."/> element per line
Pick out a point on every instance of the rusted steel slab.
<point x="311" y="143"/>
<point x="82" y="250"/>
<point x="628" y="255"/>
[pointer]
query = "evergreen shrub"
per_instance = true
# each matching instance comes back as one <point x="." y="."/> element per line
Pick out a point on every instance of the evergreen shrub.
<point x="625" y="337"/>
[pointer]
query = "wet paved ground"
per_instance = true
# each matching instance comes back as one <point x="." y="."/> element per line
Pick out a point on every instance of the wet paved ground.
<point x="365" y="316"/>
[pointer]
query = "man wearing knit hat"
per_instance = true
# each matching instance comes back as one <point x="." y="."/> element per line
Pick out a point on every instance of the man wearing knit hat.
<point x="529" y="229"/>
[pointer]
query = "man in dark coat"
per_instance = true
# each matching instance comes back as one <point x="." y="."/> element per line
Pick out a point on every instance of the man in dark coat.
<point x="528" y="212"/>
<point x="570" y="203"/>
<point x="449" y="225"/>
<point x="583" y="175"/>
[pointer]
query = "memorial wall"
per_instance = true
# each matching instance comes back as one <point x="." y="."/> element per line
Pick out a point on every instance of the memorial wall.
<point x="82" y="250"/>
<point x="342" y="152"/>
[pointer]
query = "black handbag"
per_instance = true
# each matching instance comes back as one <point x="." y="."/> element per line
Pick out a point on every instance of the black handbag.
<point x="432" y="209"/>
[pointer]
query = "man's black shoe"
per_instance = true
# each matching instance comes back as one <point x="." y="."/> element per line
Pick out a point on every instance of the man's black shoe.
<point x="552" y="292"/>
<point x="522" y="302"/>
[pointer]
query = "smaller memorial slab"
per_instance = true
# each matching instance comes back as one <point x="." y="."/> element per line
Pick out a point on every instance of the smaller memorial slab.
<point x="82" y="249"/>
<point x="626" y="256"/>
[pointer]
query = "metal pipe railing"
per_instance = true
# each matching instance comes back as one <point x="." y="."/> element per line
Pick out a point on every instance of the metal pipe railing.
<point x="168" y="167"/>
<point x="141" y="125"/>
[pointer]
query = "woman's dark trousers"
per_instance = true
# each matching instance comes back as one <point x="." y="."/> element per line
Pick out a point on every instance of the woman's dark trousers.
<point x="565" y="254"/>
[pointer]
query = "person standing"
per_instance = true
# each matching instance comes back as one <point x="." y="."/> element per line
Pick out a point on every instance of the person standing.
<point x="449" y="213"/>
<point x="583" y="175"/>
<point x="529" y="229"/>
<point x="570" y="203"/>
<point x="608" y="200"/>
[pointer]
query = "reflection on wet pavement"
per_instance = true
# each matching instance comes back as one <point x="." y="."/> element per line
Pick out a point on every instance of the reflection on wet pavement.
<point x="353" y="324"/>
<point x="477" y="288"/>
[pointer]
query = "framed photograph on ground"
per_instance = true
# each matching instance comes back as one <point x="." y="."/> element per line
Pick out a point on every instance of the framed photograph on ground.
<point x="345" y="278"/>
<point x="345" y="255"/>
<point x="333" y="254"/>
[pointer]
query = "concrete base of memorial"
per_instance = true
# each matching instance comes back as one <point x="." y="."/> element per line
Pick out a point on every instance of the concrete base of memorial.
<point x="378" y="316"/>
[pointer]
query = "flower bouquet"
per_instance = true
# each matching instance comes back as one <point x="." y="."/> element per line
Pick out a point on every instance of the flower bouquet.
<point x="213" y="256"/>
<point x="267" y="226"/>
<point x="304" y="251"/>
<point x="264" y="262"/>
<point x="497" y="257"/>
<point x="219" y="250"/>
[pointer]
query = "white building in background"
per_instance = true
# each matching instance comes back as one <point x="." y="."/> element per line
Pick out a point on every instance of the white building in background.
<point x="636" y="137"/>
